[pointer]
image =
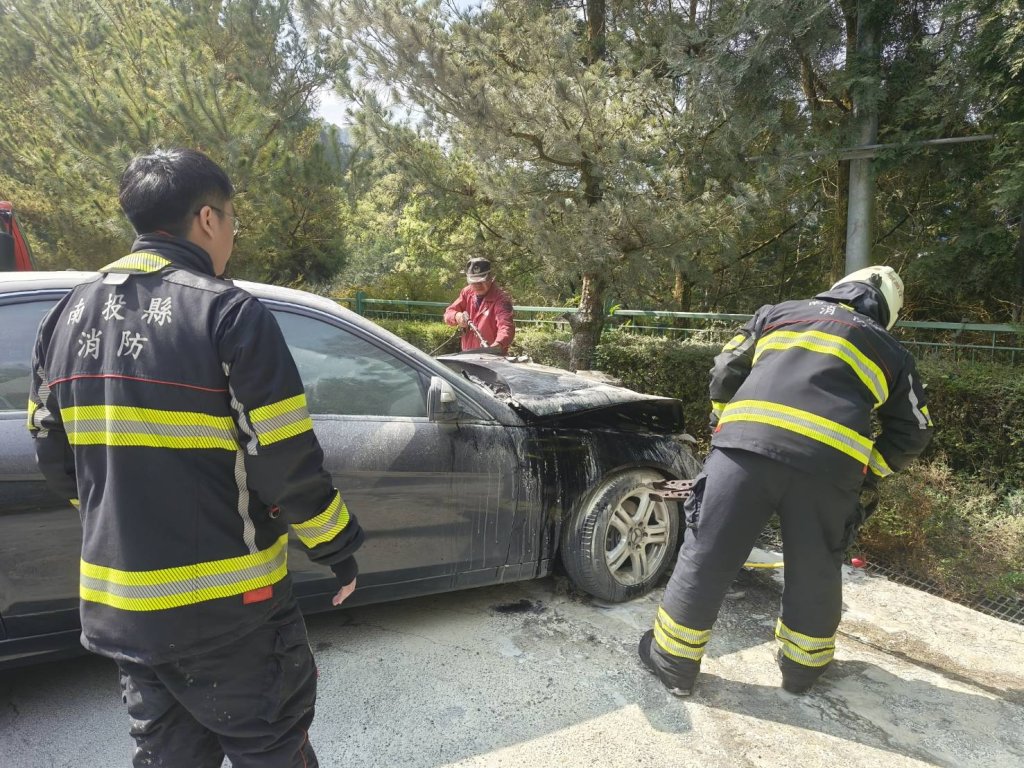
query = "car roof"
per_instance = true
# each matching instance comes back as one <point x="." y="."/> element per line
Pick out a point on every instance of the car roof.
<point x="15" y="282"/>
<point x="12" y="282"/>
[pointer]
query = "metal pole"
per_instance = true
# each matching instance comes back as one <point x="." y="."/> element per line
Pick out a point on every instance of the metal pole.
<point x="860" y="203"/>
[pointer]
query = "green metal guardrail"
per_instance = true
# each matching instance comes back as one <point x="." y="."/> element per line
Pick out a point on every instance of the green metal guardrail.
<point x="997" y="342"/>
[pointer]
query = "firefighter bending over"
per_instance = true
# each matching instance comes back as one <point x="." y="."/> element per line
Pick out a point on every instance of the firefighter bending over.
<point x="167" y="407"/>
<point x="792" y="401"/>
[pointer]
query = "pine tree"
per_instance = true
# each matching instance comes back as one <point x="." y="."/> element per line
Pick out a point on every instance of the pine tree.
<point x="560" y="137"/>
<point x="112" y="78"/>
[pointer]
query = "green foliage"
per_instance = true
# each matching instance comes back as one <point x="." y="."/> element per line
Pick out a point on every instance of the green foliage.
<point x="950" y="529"/>
<point x="692" y="163"/>
<point x="979" y="414"/>
<point x="107" y="79"/>
<point x="432" y="338"/>
<point x="578" y="169"/>
<point x="662" y="366"/>
<point x="542" y="345"/>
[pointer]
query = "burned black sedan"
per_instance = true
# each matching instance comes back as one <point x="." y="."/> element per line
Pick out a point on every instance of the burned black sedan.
<point x="464" y="471"/>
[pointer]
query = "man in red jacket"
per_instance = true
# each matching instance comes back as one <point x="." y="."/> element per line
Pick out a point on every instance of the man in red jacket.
<point x="484" y="305"/>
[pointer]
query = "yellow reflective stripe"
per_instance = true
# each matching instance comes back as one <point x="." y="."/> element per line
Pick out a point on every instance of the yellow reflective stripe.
<point x="813" y="651"/>
<point x="184" y="572"/>
<point x="325" y="526"/>
<point x="734" y="342"/>
<point x="694" y="636"/>
<point x="672" y="646"/>
<point x="805" y="641"/>
<point x="181" y="599"/>
<point x="267" y="412"/>
<point x="148" y="415"/>
<point x="831" y="433"/>
<point x="140" y="261"/>
<point x="37" y="414"/>
<point x="878" y="464"/>
<point x="184" y="585"/>
<point x="283" y="433"/>
<point x="124" y="425"/>
<point x="717" y="407"/>
<point x="807" y="659"/>
<point x="830" y="344"/>
<point x="281" y="420"/>
<point x="927" y="416"/>
<point x="149" y="440"/>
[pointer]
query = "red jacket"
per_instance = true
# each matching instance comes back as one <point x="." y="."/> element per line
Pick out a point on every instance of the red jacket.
<point x="492" y="315"/>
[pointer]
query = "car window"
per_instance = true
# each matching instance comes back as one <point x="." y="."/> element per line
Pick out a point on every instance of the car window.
<point x="18" y="326"/>
<point x="345" y="374"/>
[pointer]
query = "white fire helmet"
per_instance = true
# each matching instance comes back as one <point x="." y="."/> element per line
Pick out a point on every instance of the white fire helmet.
<point x="886" y="281"/>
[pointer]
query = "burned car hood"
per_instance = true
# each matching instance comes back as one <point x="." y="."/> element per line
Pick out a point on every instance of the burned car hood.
<point x="539" y="393"/>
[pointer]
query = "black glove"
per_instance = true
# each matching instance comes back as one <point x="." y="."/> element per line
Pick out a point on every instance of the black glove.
<point x="869" y="497"/>
<point x="867" y="503"/>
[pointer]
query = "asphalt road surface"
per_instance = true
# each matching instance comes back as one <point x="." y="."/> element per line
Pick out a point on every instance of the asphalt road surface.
<point x="529" y="675"/>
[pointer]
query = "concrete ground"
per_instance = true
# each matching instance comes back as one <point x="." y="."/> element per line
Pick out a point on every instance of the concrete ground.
<point x="528" y="675"/>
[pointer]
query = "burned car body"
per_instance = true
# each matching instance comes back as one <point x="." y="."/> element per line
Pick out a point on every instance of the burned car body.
<point x="464" y="471"/>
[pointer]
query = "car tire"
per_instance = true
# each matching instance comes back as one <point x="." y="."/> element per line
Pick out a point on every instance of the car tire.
<point x="622" y="539"/>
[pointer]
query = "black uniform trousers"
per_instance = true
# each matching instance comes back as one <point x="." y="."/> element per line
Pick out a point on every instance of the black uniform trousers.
<point x="734" y="497"/>
<point x="251" y="700"/>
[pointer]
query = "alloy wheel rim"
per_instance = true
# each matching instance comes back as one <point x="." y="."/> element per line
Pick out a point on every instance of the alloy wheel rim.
<point x="636" y="541"/>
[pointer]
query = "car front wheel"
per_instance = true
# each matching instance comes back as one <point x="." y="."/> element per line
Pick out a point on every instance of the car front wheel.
<point x="622" y="539"/>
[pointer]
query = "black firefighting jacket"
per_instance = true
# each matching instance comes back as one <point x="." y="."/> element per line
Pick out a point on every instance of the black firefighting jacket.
<point x="166" y="404"/>
<point x="801" y="381"/>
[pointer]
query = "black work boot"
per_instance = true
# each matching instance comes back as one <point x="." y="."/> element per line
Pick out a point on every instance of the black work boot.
<point x="678" y="676"/>
<point x="797" y="678"/>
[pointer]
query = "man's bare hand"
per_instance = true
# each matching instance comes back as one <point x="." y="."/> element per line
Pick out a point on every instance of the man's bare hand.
<point x="462" y="318"/>
<point x="343" y="593"/>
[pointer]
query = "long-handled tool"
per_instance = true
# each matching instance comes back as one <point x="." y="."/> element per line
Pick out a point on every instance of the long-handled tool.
<point x="474" y="329"/>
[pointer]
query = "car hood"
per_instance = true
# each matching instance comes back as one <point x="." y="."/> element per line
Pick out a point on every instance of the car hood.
<point x="539" y="393"/>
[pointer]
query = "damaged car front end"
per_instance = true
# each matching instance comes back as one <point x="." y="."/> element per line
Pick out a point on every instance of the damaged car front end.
<point x="592" y="452"/>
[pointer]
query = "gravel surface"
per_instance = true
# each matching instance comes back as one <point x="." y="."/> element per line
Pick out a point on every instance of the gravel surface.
<point x="528" y="674"/>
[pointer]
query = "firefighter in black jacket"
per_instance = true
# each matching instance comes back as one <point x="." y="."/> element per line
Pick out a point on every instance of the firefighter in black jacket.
<point x="167" y="407"/>
<point x="793" y="394"/>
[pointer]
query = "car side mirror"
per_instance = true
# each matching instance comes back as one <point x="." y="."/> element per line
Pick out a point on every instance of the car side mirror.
<point x="442" y="400"/>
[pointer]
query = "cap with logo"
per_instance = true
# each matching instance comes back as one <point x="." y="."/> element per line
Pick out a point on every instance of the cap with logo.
<point x="477" y="270"/>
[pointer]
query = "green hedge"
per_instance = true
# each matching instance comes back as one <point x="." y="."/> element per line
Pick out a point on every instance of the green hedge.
<point x="433" y="338"/>
<point x="956" y="517"/>
<point x="978" y="410"/>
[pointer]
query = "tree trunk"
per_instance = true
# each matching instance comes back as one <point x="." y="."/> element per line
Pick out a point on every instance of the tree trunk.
<point x="596" y="30"/>
<point x="682" y="292"/>
<point x="587" y="323"/>
<point x="1017" y="310"/>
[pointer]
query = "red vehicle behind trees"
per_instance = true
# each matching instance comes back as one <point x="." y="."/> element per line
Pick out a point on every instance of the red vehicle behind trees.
<point x="15" y="255"/>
